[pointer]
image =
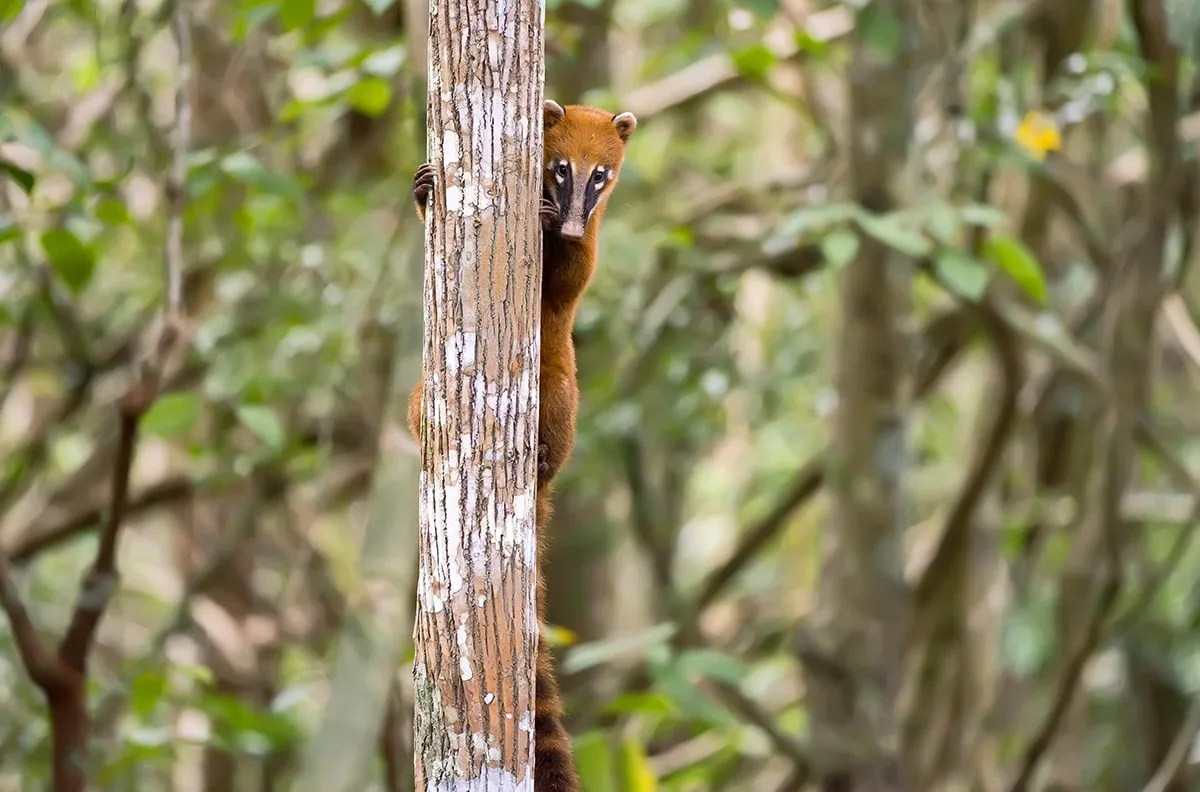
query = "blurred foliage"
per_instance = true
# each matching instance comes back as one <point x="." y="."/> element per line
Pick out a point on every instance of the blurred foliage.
<point x="703" y="357"/>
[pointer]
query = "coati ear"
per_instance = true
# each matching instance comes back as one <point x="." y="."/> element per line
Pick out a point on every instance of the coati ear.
<point x="625" y="123"/>
<point x="552" y="113"/>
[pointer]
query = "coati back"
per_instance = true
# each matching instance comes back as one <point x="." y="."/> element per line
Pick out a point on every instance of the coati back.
<point x="584" y="150"/>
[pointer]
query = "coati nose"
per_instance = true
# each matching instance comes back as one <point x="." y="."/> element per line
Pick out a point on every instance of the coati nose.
<point x="572" y="229"/>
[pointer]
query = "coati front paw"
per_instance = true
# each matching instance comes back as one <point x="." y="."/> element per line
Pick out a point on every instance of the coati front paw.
<point x="549" y="214"/>
<point x="423" y="182"/>
<point x="543" y="460"/>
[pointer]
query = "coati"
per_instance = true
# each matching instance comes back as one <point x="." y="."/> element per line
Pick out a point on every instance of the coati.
<point x="584" y="150"/>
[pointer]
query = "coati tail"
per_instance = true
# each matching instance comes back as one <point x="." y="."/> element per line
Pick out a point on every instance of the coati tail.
<point x="553" y="762"/>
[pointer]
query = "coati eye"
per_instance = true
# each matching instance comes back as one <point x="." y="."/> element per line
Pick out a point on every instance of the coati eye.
<point x="598" y="176"/>
<point x="561" y="170"/>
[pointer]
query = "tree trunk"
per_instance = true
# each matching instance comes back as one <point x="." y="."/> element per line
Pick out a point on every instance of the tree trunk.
<point x="476" y="622"/>
<point x="861" y="602"/>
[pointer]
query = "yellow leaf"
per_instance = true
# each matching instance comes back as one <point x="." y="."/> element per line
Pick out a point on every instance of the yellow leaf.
<point x="559" y="636"/>
<point x="1038" y="134"/>
<point x="639" y="776"/>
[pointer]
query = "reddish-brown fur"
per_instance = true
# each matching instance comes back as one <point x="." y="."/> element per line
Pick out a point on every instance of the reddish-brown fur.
<point x="588" y="137"/>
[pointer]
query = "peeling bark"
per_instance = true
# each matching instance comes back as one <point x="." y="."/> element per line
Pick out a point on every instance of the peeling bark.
<point x="476" y="622"/>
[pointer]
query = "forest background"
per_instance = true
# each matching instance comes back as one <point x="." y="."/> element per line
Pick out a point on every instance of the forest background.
<point x="737" y="511"/>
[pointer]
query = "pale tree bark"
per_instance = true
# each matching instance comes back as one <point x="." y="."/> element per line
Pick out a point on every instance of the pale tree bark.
<point x="476" y="623"/>
<point x="861" y="594"/>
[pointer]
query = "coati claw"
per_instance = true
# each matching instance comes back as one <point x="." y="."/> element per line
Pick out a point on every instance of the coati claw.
<point x="543" y="459"/>
<point x="423" y="182"/>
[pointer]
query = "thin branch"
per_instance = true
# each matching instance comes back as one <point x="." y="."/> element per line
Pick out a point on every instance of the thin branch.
<point x="32" y="452"/>
<point x="1175" y="761"/>
<point x="62" y="676"/>
<point x="63" y="315"/>
<point x="1158" y="578"/>
<point x="57" y="524"/>
<point x="956" y="534"/>
<point x="50" y="532"/>
<point x="18" y="355"/>
<point x="101" y="580"/>
<point x="1068" y="683"/>
<point x="1179" y="320"/>
<point x="35" y="655"/>
<point x="1133" y="299"/>
<point x="751" y="712"/>
<point x="946" y="335"/>
<point x="718" y="72"/>
<point x="806" y="483"/>
<point x="177" y="184"/>
<point x="643" y="521"/>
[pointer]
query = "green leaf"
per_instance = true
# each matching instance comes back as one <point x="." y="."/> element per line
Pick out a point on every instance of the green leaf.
<point x="1183" y="24"/>
<point x="147" y="691"/>
<point x="251" y="17"/>
<point x="295" y="14"/>
<point x="110" y="210"/>
<point x="640" y="703"/>
<point x="839" y="247"/>
<point x="1013" y="538"/>
<point x="1011" y="255"/>
<point x="890" y="231"/>
<point x="691" y="700"/>
<point x="22" y="177"/>
<point x="765" y="9"/>
<point x="713" y="664"/>
<point x="9" y="9"/>
<point x="171" y="415"/>
<point x="880" y="31"/>
<point x="794" y="227"/>
<point x="35" y="136"/>
<point x="84" y="8"/>
<point x="73" y="261"/>
<point x="1027" y="639"/>
<point x="264" y="423"/>
<point x="593" y="761"/>
<point x="982" y="215"/>
<point x="248" y="169"/>
<point x="754" y="62"/>
<point x="379" y="6"/>
<point x="9" y="230"/>
<point x="636" y="772"/>
<point x="370" y="96"/>
<point x="944" y="223"/>
<point x="811" y="45"/>
<point x="587" y="655"/>
<point x="961" y="274"/>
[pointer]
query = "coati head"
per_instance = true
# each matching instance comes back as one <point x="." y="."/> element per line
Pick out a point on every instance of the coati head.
<point x="584" y="149"/>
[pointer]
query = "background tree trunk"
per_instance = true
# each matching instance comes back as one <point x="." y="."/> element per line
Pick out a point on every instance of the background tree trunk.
<point x="861" y="594"/>
<point x="476" y="623"/>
